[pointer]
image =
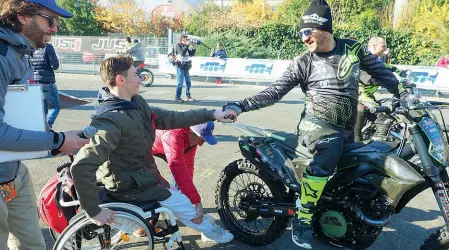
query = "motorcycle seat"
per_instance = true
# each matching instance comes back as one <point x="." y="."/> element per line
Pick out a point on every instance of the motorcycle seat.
<point x="374" y="146"/>
<point x="348" y="147"/>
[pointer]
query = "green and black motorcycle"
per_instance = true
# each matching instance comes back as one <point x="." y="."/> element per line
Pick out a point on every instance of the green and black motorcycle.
<point x="374" y="180"/>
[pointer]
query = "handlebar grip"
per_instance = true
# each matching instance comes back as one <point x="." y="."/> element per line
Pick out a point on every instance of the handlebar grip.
<point x="379" y="109"/>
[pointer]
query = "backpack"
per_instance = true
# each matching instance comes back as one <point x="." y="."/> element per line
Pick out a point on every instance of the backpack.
<point x="50" y="211"/>
<point x="171" y="55"/>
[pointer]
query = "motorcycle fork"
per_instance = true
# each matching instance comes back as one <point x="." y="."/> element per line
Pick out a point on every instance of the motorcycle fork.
<point x="429" y="169"/>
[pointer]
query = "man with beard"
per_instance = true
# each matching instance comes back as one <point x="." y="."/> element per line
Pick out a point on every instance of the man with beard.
<point x="328" y="74"/>
<point x="24" y="26"/>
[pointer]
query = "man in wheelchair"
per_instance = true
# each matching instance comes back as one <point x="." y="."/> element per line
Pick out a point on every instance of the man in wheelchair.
<point x="119" y="151"/>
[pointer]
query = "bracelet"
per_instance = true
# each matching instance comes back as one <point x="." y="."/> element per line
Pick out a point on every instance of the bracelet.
<point x="63" y="140"/>
<point x="55" y="136"/>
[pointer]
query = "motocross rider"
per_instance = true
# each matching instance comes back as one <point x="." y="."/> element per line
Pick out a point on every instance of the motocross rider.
<point x="377" y="46"/>
<point x="328" y="74"/>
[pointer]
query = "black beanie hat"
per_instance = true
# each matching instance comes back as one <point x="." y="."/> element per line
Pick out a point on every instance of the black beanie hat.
<point x="318" y="15"/>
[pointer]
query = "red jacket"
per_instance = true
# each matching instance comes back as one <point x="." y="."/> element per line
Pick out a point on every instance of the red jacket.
<point x="173" y="144"/>
<point x="443" y="62"/>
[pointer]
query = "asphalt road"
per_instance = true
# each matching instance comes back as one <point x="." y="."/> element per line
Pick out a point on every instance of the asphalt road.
<point x="406" y="231"/>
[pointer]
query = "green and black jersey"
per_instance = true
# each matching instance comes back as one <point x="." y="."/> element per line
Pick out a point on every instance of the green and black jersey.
<point x="330" y="82"/>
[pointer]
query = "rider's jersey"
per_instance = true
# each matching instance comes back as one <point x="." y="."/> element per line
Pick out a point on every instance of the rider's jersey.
<point x="329" y="81"/>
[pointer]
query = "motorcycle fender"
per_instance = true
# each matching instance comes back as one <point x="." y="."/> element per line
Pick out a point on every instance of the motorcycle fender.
<point x="391" y="174"/>
<point x="247" y="150"/>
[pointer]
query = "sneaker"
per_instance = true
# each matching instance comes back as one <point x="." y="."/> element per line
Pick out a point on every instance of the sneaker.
<point x="190" y="99"/>
<point x="218" y="234"/>
<point x="179" y="100"/>
<point x="301" y="233"/>
<point x="139" y="232"/>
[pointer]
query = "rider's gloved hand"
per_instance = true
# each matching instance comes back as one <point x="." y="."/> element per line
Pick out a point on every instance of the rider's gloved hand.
<point x="236" y="106"/>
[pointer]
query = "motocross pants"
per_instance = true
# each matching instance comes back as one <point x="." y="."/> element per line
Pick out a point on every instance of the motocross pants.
<point x="325" y="142"/>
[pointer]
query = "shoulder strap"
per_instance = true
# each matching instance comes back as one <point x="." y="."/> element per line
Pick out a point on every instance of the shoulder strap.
<point x="3" y="47"/>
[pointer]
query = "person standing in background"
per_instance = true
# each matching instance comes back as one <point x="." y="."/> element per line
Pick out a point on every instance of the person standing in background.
<point x="220" y="52"/>
<point x="184" y="49"/>
<point x="45" y="62"/>
<point x="443" y="62"/>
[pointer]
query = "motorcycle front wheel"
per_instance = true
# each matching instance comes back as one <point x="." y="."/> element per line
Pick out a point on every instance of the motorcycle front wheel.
<point x="146" y="77"/>
<point x="240" y="180"/>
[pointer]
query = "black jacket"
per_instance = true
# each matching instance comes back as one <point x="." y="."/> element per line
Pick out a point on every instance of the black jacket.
<point x="44" y="63"/>
<point x="329" y="81"/>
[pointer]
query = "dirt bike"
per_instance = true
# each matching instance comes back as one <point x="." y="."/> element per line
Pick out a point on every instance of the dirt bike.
<point x="370" y="115"/>
<point x="373" y="180"/>
<point x="143" y="71"/>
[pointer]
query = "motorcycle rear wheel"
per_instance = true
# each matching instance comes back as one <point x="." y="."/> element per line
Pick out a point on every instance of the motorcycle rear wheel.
<point x="237" y="170"/>
<point x="438" y="240"/>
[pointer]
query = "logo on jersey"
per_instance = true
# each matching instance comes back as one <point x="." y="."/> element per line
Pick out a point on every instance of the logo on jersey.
<point x="348" y="60"/>
<point x="314" y="18"/>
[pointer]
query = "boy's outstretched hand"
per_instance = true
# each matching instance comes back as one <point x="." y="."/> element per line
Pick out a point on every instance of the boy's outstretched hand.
<point x="226" y="116"/>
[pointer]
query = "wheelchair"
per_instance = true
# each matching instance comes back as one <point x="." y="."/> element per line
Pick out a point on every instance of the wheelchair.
<point x="122" y="233"/>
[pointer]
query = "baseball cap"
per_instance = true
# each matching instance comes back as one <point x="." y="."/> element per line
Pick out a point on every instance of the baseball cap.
<point x="51" y="5"/>
<point x="205" y="130"/>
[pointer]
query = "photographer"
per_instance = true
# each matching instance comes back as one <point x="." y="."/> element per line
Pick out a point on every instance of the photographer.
<point x="184" y="49"/>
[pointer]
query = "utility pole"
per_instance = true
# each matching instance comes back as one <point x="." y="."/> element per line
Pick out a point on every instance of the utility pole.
<point x="400" y="6"/>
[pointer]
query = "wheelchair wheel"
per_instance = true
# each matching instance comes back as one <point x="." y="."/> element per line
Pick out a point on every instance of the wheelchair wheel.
<point x="120" y="234"/>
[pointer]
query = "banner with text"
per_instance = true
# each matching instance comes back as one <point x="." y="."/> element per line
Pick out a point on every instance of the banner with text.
<point x="425" y="77"/>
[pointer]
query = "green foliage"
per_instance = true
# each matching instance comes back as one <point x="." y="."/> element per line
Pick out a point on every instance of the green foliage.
<point x="83" y="23"/>
<point x="368" y="19"/>
<point x="281" y="41"/>
<point x="236" y="45"/>
<point x="358" y="19"/>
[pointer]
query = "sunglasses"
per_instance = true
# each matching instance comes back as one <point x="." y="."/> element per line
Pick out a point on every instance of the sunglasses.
<point x="305" y="32"/>
<point x="52" y="20"/>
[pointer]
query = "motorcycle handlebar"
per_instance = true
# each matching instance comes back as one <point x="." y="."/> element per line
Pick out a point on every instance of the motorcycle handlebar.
<point x="379" y="109"/>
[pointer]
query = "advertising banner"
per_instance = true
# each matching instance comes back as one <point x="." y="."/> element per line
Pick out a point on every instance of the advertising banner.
<point x="425" y="77"/>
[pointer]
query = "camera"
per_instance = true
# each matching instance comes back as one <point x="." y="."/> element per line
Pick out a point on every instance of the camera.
<point x="195" y="41"/>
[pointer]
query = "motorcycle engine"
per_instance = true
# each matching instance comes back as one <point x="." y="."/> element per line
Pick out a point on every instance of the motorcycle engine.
<point x="338" y="215"/>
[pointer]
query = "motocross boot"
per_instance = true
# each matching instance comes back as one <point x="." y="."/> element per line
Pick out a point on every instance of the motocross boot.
<point x="311" y="190"/>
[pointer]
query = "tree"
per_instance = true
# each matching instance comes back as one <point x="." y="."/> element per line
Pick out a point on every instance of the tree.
<point x="83" y="22"/>
<point x="124" y="16"/>
<point x="250" y="14"/>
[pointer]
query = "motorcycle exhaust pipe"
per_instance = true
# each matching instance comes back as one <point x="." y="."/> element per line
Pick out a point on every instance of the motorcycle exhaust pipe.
<point x="269" y="210"/>
<point x="374" y="223"/>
